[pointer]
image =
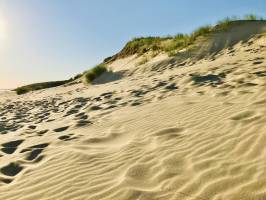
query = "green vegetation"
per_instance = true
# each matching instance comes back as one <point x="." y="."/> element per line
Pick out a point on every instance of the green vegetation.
<point x="172" y="44"/>
<point x="225" y="23"/>
<point x="251" y="17"/>
<point x="201" y="31"/>
<point x="154" y="45"/>
<point x="95" y="72"/>
<point x="167" y="44"/>
<point x="39" y="86"/>
<point x="22" y="90"/>
<point x="141" y="45"/>
<point x="143" y="61"/>
<point x="89" y="75"/>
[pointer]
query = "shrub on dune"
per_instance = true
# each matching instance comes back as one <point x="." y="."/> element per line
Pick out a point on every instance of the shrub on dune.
<point x="95" y="72"/>
<point x="20" y="91"/>
<point x="39" y="86"/>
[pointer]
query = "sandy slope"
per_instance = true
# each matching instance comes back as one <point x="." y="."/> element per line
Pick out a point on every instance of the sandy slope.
<point x="189" y="131"/>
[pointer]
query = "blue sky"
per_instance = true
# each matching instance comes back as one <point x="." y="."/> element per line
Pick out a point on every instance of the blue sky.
<point x="43" y="40"/>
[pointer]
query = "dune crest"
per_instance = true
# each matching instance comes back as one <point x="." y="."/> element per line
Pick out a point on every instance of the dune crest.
<point x="169" y="128"/>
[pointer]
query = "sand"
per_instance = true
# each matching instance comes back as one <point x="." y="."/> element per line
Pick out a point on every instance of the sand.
<point x="161" y="131"/>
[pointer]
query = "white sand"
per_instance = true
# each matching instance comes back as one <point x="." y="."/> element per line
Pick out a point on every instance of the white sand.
<point x="191" y="132"/>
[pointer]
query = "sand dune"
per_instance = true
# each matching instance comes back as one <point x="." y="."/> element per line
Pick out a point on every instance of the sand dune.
<point x="190" y="131"/>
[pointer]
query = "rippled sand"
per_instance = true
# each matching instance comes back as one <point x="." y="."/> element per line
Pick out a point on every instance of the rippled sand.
<point x="191" y="132"/>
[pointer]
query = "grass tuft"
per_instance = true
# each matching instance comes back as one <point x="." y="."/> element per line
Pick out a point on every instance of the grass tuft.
<point x="143" y="61"/>
<point x="22" y="90"/>
<point x="95" y="72"/>
<point x="38" y="86"/>
<point x="251" y="17"/>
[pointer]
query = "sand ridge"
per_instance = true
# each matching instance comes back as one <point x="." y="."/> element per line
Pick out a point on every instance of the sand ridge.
<point x="194" y="130"/>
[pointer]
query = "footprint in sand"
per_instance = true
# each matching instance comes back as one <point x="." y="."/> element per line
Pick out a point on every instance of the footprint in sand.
<point x="6" y="180"/>
<point x="11" y="147"/>
<point x="71" y="112"/>
<point x="81" y="123"/>
<point x="34" y="152"/>
<point x="139" y="93"/>
<point x="136" y="103"/>
<point x="32" y="127"/>
<point x="67" y="137"/>
<point x="61" y="129"/>
<point x="207" y="79"/>
<point x="107" y="95"/>
<point x="82" y="116"/>
<point x="260" y="73"/>
<point x="94" y="108"/>
<point x="11" y="169"/>
<point x="257" y="62"/>
<point x="42" y="132"/>
<point x="111" y="107"/>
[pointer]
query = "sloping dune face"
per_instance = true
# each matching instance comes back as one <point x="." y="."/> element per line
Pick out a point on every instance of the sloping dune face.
<point x="190" y="130"/>
<point x="238" y="31"/>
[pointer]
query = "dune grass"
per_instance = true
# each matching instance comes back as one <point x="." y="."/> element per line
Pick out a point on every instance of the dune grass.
<point x="22" y="90"/>
<point x="252" y="17"/>
<point x="172" y="44"/>
<point x="95" y="72"/>
<point x="139" y="46"/>
<point x="89" y="75"/>
<point x="166" y="44"/>
<point x="38" y="86"/>
<point x="144" y="60"/>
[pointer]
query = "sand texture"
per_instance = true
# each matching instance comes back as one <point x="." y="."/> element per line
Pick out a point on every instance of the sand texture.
<point x="164" y="130"/>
